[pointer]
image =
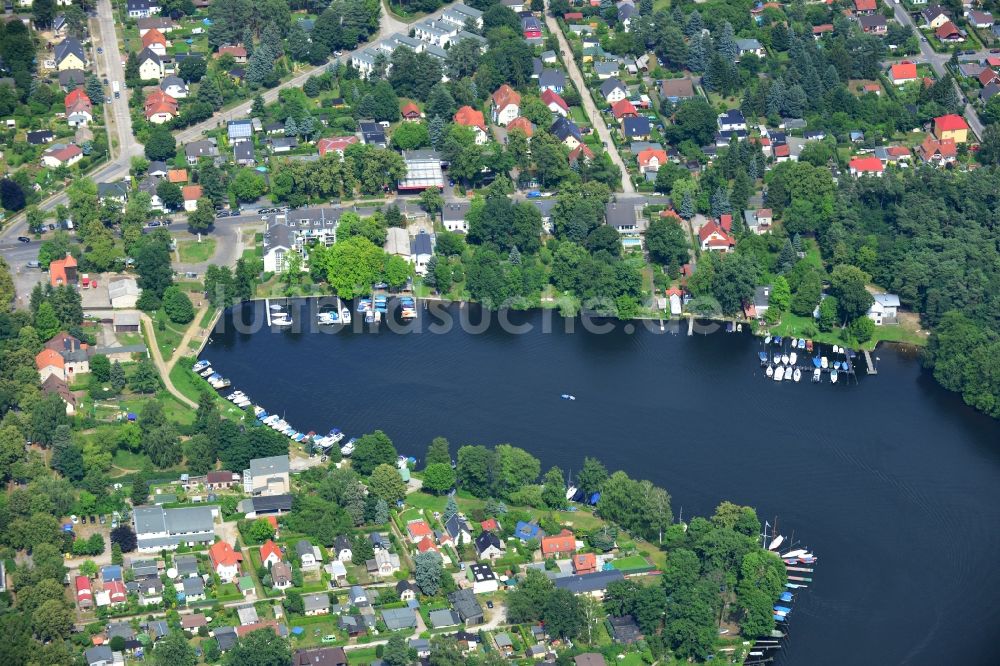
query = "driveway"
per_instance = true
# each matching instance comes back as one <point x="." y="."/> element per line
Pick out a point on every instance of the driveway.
<point x="937" y="61"/>
<point x="588" y="102"/>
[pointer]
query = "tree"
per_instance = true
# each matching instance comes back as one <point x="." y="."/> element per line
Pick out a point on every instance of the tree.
<point x="438" y="452"/>
<point x="847" y="284"/>
<point x="386" y="483"/>
<point x="427" y="572"/>
<point x="563" y="614"/>
<point x="123" y="537"/>
<point x="515" y="468"/>
<point x="260" y="531"/>
<point x="48" y="414"/>
<point x="351" y="265"/>
<point x="11" y="195"/>
<point x="432" y="201"/>
<point x="439" y="478"/>
<point x="396" y="652"/>
<point x="372" y="450"/>
<point x="262" y="647"/>
<point x="46" y="322"/>
<point x="160" y="145"/>
<point x="807" y="294"/>
<point x="145" y="378"/>
<point x="94" y="90"/>
<point x="781" y="295"/>
<point x="202" y="217"/>
<point x="248" y="185"/>
<point x="554" y="489"/>
<point x="192" y="69"/>
<point x="475" y="470"/>
<point x="163" y="447"/>
<point x="667" y="242"/>
<point x="410" y="136"/>
<point x="173" y="650"/>
<point x="862" y="328"/>
<point x="177" y="305"/>
<point x="381" y="512"/>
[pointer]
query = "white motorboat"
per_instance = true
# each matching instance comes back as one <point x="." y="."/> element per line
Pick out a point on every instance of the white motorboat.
<point x="345" y="316"/>
<point x="833" y="376"/>
<point x="770" y="371"/>
<point x="817" y="374"/>
<point x="784" y="359"/>
<point x="824" y="363"/>
<point x="200" y="365"/>
<point x="779" y="373"/>
<point x="348" y="449"/>
<point x="792" y="358"/>
<point x="281" y="321"/>
<point x="570" y="493"/>
<point x="767" y="339"/>
<point x="207" y="372"/>
<point x="797" y="374"/>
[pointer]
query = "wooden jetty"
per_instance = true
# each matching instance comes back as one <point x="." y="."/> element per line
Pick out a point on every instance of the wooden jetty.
<point x="872" y="370"/>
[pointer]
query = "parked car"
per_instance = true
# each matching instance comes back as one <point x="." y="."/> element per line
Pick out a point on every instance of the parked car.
<point x="100" y="50"/>
<point x="24" y="239"/>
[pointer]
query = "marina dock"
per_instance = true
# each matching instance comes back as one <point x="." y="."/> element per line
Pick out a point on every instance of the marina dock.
<point x="267" y="310"/>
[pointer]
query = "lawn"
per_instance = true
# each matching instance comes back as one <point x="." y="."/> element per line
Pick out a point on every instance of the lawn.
<point x="130" y="461"/>
<point x="207" y="318"/>
<point x="191" y="385"/>
<point x="795" y="326"/>
<point x="630" y="563"/>
<point x="168" y="334"/>
<point x="579" y="115"/>
<point x="193" y="252"/>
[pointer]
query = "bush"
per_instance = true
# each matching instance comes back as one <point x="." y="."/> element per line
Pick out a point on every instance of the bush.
<point x="177" y="305"/>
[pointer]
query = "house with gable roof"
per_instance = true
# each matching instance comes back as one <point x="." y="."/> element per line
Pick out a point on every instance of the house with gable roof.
<point x="506" y="105"/>
<point x="469" y="117"/>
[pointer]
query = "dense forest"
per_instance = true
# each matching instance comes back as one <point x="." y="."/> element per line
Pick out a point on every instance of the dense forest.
<point x="933" y="237"/>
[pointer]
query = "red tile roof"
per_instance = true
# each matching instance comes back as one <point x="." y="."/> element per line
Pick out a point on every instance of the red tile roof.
<point x="153" y="36"/>
<point x="64" y="154"/>
<point x="160" y="102"/>
<point x="549" y="96"/>
<point x="931" y="148"/>
<point x="820" y="29"/>
<point x="987" y="76"/>
<point x="782" y="150"/>
<point x="584" y="563"/>
<point x="181" y="176"/>
<point x="76" y="99"/>
<point x="950" y="123"/>
<point x="426" y="544"/>
<point x="269" y="548"/>
<point x="647" y="155"/>
<point x="83" y="588"/>
<point x="947" y="30"/>
<point x="490" y="525"/>
<point x="57" y="268"/>
<point x="470" y="117"/>
<point x="116" y="590"/>
<point x="410" y="110"/>
<point x="418" y="528"/>
<point x="866" y="165"/>
<point x="235" y="51"/>
<point x="564" y="542"/>
<point x="521" y="123"/>
<point x="191" y="192"/>
<point x="504" y="96"/>
<point x="865" y="5"/>
<point x="583" y="150"/>
<point x="714" y="236"/>
<point x="336" y="144"/>
<point x="47" y="357"/>
<point x="623" y="108"/>
<point x="904" y="71"/>
<point x="222" y="554"/>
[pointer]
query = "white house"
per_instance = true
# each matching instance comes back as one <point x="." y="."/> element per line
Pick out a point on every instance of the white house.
<point x="150" y="65"/>
<point x="159" y="529"/>
<point x="342" y="549"/>
<point x="506" y="105"/>
<point x="483" y="579"/>
<point x="309" y="557"/>
<point x="884" y="309"/>
<point x="613" y="90"/>
<point x="225" y="561"/>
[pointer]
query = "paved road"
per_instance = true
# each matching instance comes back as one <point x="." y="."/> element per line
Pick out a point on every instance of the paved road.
<point x="937" y="61"/>
<point x="588" y="102"/>
<point x="111" y="59"/>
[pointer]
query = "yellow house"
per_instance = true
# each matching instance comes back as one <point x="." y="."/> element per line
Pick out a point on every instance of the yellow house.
<point x="69" y="54"/>
<point x="951" y="126"/>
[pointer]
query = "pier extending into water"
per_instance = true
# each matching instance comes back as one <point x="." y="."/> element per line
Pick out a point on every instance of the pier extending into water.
<point x="872" y="370"/>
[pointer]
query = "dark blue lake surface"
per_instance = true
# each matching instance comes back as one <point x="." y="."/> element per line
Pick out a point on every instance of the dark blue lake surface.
<point x="893" y="482"/>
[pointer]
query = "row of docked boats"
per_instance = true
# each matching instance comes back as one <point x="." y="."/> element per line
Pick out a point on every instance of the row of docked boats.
<point x="794" y="343"/>
<point x="273" y="421"/>
<point x="215" y="380"/>
<point x="331" y="317"/>
<point x="780" y="372"/>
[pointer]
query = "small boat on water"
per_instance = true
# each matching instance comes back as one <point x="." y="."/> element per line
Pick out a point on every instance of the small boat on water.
<point x="206" y="372"/>
<point x="779" y="373"/>
<point x="802" y="343"/>
<point x="281" y="321"/>
<point x="817" y="374"/>
<point x="786" y="597"/>
<point x="816" y="361"/>
<point x="809" y="346"/>
<point x="739" y="328"/>
<point x="833" y="376"/>
<point x="763" y="357"/>
<point x="770" y="371"/>
<point x="792" y="358"/>
<point x="327" y="318"/>
<point x="784" y="359"/>
<point x="794" y="553"/>
<point x="348" y="449"/>
<point x="824" y="363"/>
<point x="276" y="307"/>
<point x="570" y="492"/>
<point x="345" y="316"/>
<point x="200" y="365"/>
<point x="369" y="317"/>
<point x="567" y="396"/>
<point x="767" y="339"/>
<point x="797" y="374"/>
<point x="776" y="542"/>
<point x="777" y="339"/>
<point x="836" y="365"/>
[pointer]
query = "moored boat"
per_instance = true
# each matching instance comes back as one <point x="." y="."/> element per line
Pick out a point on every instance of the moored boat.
<point x="833" y="376"/>
<point x="792" y="358"/>
<point x="770" y="371"/>
<point x="817" y="374"/>
<point x="348" y="449"/>
<point x="784" y="359"/>
<point x="797" y="374"/>
<point x="345" y="316"/>
<point x="207" y="372"/>
<point x="809" y="345"/>
<point x="200" y="365"/>
<point x="763" y="357"/>
<point x="779" y="373"/>
<point x="824" y="363"/>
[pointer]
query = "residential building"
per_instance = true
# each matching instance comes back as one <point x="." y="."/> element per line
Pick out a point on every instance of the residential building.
<point x="472" y="118"/>
<point x="309" y="556"/>
<point x="322" y="656"/>
<point x="758" y="221"/>
<point x="174" y="86"/>
<point x="397" y="619"/>
<point x="63" y="271"/>
<point x="951" y="126"/>
<point x="191" y="194"/>
<point x="61" y="154"/>
<point x="453" y="216"/>
<point x="866" y="166"/>
<point x="342" y="549"/>
<point x="506" y="105"/>
<point x="335" y="144"/>
<point x="225" y="560"/>
<point x="101" y="655"/>
<point x="676" y="90"/>
<point x="593" y="584"/>
<point x="154" y="40"/>
<point x="445" y="617"/>
<point x="558" y="545"/>
<point x="884" y="309"/>
<point x="281" y="575"/>
<point x="84" y="592"/>
<point x="716" y="235"/>
<point x="482" y="578"/>
<point x="267" y="476"/>
<point x="732" y="121"/>
<point x="613" y="90"/>
<point x="903" y="72"/>
<point x="421" y="251"/>
<point x="468" y="609"/>
<point x="316" y="604"/>
<point x="238" y="51"/>
<point x="194" y="589"/>
<point x="938" y="152"/>
<point x="416" y="530"/>
<point x="979" y="19"/>
<point x="552" y="79"/>
<point x="555" y="102"/>
<point x="423" y="170"/>
<point x="567" y="132"/>
<point x="158" y="529"/>
<point x="239" y="130"/>
<point x="489" y="546"/>
<point x="150" y="65"/>
<point x="69" y="55"/>
<point x="270" y="554"/>
<point x="243" y="153"/>
<point x="53" y="385"/>
<point x="78" y="108"/>
<point x="196" y="150"/>
<point x="159" y="107"/>
<point x="584" y="563"/>
<point x="407" y="591"/>
<point x="934" y="16"/>
<point x="373" y="134"/>
<point x="142" y="8"/>
<point x="531" y="27"/>
<point x="750" y="47"/>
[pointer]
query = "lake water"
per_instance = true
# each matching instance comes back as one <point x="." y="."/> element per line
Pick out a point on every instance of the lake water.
<point x="892" y="481"/>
